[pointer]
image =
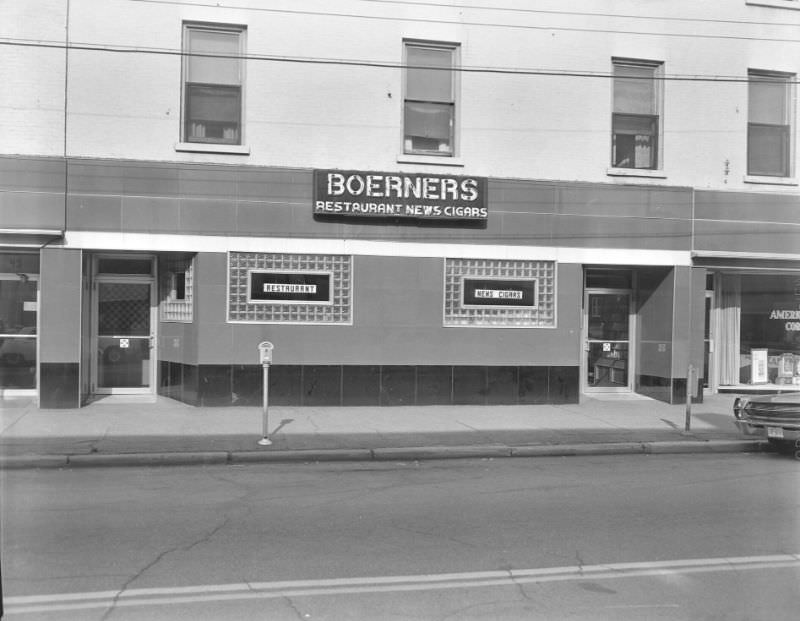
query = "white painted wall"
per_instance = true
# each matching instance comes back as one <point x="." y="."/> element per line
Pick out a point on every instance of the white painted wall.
<point x="127" y="105"/>
<point x="32" y="77"/>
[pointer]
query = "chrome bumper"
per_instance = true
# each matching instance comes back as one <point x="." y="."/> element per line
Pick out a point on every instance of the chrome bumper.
<point x="761" y="423"/>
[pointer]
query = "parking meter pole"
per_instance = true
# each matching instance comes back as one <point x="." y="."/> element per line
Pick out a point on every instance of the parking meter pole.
<point x="690" y="381"/>
<point x="265" y="441"/>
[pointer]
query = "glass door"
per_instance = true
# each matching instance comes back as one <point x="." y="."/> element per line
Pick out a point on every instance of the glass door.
<point x="125" y="338"/>
<point x="607" y="345"/>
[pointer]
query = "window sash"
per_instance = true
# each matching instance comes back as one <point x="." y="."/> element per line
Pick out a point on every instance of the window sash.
<point x="768" y="150"/>
<point x="434" y="84"/>
<point x="213" y="113"/>
<point x="768" y="100"/>
<point x="635" y="89"/>
<point x="222" y="69"/>
<point x="634" y="141"/>
<point x="429" y="126"/>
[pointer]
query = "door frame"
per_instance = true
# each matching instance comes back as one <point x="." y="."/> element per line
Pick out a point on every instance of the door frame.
<point x="584" y="368"/>
<point x="152" y="281"/>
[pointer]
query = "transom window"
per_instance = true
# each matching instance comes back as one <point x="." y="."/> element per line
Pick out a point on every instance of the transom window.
<point x="636" y="115"/>
<point x="212" y="76"/>
<point x="769" y="126"/>
<point x="429" y="107"/>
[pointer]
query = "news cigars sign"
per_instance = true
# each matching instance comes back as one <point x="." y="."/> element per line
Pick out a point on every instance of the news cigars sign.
<point x="289" y="287"/>
<point x="399" y="195"/>
<point x="515" y="293"/>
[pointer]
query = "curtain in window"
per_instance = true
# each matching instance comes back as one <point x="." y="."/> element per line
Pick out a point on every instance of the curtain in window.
<point x="729" y="302"/>
<point x="428" y="120"/>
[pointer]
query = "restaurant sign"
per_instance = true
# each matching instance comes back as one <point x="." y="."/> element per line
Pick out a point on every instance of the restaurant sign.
<point x="399" y="195"/>
<point x="508" y="293"/>
<point x="289" y="287"/>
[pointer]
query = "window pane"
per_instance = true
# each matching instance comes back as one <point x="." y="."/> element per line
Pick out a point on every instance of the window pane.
<point x="213" y="114"/>
<point x="125" y="266"/>
<point x="206" y="70"/>
<point x="428" y="120"/>
<point x="634" y="90"/>
<point x="634" y="142"/>
<point x="768" y="150"/>
<point x="768" y="101"/>
<point x="213" y="104"/>
<point x="17" y="305"/>
<point x="429" y="84"/>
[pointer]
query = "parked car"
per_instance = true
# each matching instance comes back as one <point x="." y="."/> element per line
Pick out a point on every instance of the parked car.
<point x="17" y="351"/>
<point x="775" y="417"/>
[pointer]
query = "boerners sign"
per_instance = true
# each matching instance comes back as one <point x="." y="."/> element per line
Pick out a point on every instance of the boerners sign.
<point x="289" y="287"/>
<point x="399" y="195"/>
<point x="516" y="293"/>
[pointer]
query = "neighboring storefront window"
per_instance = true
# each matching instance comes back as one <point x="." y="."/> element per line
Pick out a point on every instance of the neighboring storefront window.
<point x="290" y="288"/>
<point x="760" y="328"/>
<point x="493" y="293"/>
<point x="19" y="285"/>
<point x="176" y="284"/>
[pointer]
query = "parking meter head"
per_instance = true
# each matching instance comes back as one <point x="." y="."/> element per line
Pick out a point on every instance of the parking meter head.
<point x="265" y="352"/>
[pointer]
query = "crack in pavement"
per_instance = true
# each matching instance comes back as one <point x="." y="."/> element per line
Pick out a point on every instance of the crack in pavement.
<point x="184" y="548"/>
<point x="297" y="611"/>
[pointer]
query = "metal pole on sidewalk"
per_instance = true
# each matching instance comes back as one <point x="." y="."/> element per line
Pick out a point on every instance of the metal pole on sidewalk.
<point x="690" y="383"/>
<point x="265" y="441"/>
<point x="265" y="355"/>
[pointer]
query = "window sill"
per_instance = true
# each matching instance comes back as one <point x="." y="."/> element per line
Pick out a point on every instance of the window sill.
<point x="636" y="172"/>
<point x="204" y="147"/>
<point x="779" y="4"/>
<point x="435" y="160"/>
<point x="770" y="180"/>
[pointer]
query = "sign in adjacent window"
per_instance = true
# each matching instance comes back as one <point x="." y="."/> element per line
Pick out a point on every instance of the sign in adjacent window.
<point x="287" y="287"/>
<point x="490" y="292"/>
<point x="769" y="127"/>
<point x="636" y="114"/>
<point x="212" y="96"/>
<point x="493" y="293"/>
<point x="398" y="195"/>
<point x="430" y="99"/>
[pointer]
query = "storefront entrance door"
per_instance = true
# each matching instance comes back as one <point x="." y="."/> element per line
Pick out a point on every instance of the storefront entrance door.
<point x="125" y="338"/>
<point x="607" y="344"/>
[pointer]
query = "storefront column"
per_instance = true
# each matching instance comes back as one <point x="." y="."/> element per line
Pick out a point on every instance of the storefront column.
<point x="60" y="328"/>
<point x="688" y="329"/>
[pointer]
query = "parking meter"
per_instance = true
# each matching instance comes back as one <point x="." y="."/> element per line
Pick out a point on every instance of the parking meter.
<point x="265" y="357"/>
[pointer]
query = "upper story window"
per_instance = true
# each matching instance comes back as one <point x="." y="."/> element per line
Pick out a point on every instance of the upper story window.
<point x="636" y="115"/>
<point x="212" y="84"/>
<point x="430" y="99"/>
<point x="769" y="124"/>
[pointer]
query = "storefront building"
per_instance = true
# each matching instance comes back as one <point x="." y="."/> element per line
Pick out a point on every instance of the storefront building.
<point x="415" y="228"/>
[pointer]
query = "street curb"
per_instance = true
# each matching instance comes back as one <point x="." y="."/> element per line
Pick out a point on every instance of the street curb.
<point x="100" y="460"/>
<point x="278" y="456"/>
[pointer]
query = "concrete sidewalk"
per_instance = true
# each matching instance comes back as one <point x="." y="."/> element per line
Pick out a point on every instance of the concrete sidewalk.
<point x="115" y="431"/>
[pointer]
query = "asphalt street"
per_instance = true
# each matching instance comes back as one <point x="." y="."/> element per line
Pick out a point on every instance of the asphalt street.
<point x="605" y="537"/>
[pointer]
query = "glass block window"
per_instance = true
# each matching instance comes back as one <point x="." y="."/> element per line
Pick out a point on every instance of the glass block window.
<point x="241" y="308"/>
<point x="456" y="313"/>
<point x="176" y="288"/>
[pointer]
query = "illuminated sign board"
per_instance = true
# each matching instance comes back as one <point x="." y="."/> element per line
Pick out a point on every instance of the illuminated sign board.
<point x="508" y="293"/>
<point x="399" y="195"/>
<point x="289" y="287"/>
